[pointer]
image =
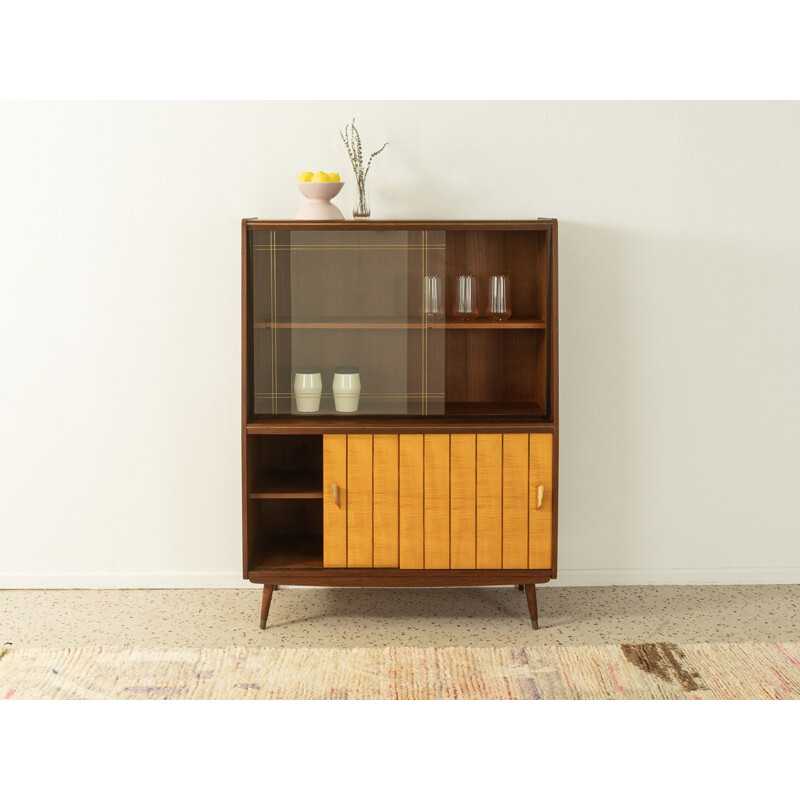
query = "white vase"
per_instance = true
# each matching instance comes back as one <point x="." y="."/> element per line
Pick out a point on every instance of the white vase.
<point x="346" y="389"/>
<point x="307" y="391"/>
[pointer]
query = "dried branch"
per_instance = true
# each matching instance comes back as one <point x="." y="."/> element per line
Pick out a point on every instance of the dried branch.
<point x="355" y="152"/>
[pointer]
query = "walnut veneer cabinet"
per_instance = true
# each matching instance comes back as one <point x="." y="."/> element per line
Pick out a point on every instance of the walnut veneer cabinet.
<point x="447" y="475"/>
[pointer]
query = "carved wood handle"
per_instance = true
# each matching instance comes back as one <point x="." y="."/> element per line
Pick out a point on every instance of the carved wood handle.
<point x="335" y="489"/>
<point x="539" y="497"/>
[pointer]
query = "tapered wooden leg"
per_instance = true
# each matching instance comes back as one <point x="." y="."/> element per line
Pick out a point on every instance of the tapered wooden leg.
<point x="521" y="587"/>
<point x="530" y="594"/>
<point x="266" y="599"/>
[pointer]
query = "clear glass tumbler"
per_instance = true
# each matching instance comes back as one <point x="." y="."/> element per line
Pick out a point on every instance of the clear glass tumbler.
<point x="499" y="305"/>
<point x="466" y="304"/>
<point x="432" y="305"/>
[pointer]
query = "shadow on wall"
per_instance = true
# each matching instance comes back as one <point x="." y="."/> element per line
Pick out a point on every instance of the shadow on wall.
<point x="668" y="342"/>
<point x="597" y="394"/>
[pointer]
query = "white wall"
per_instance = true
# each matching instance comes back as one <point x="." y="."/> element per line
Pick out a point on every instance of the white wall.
<point x="680" y="332"/>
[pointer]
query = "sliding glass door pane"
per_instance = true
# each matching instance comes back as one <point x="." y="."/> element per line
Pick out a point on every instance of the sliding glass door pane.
<point x="342" y="314"/>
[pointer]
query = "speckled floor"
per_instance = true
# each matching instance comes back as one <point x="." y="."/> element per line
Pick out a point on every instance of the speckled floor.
<point x="418" y="617"/>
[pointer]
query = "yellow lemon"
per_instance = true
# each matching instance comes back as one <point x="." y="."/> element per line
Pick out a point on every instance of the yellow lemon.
<point x="320" y="177"/>
<point x="304" y="177"/>
<point x="334" y="177"/>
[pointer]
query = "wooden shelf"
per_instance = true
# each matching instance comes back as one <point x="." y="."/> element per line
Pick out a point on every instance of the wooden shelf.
<point x="310" y="424"/>
<point x="287" y="551"/>
<point x="369" y="406"/>
<point x="498" y="408"/>
<point x="520" y="323"/>
<point x="287" y="484"/>
<point x="401" y="323"/>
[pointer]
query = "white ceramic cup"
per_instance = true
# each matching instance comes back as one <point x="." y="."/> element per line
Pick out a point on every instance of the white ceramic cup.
<point x="307" y="391"/>
<point x="346" y="389"/>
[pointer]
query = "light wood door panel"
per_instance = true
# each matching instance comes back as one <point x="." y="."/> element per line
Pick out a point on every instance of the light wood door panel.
<point x="436" y="477"/>
<point x="489" y="501"/>
<point x="411" y="500"/>
<point x="540" y="531"/>
<point x="334" y="473"/>
<point x="438" y="501"/>
<point x="515" y="501"/>
<point x="359" y="500"/>
<point x="462" y="501"/>
<point x="386" y="501"/>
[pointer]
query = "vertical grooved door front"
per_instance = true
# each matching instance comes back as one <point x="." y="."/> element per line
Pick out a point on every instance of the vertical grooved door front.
<point x="489" y="500"/>
<point x="386" y="502"/>
<point x="359" y="500"/>
<point x="334" y="486"/>
<point x="462" y="501"/>
<point x="515" y="501"/>
<point x="438" y="501"/>
<point x="540" y="536"/>
<point x="411" y="499"/>
<point x="436" y="478"/>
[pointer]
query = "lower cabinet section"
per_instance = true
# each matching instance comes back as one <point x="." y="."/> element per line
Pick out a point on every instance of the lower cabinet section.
<point x="438" y="501"/>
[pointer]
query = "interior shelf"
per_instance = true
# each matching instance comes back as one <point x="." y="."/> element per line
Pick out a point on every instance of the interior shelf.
<point x="287" y="551"/>
<point x="528" y="408"/>
<point x="345" y="324"/>
<point x="298" y="484"/>
<point x="519" y="323"/>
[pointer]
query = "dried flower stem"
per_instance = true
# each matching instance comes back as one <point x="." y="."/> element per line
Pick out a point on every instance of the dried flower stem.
<point x="352" y="142"/>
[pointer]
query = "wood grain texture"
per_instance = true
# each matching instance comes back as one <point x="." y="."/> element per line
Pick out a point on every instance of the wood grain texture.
<point x="517" y="393"/>
<point x="542" y="224"/>
<point x="462" y="501"/>
<point x="300" y="424"/>
<point x="533" y="609"/>
<point x="489" y="501"/>
<point x="247" y="348"/>
<point x="334" y="518"/>
<point x="436" y="478"/>
<point x="386" y="500"/>
<point x="411" y="500"/>
<point x="398" y="577"/>
<point x="553" y="337"/>
<point x="266" y="599"/>
<point x="359" y="500"/>
<point x="515" y="501"/>
<point x="540" y="525"/>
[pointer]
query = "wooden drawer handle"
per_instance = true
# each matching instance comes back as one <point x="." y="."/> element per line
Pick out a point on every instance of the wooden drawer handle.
<point x="335" y="489"/>
<point x="539" y="497"/>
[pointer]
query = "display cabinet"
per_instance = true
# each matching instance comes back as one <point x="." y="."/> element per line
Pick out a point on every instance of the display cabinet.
<point x="399" y="404"/>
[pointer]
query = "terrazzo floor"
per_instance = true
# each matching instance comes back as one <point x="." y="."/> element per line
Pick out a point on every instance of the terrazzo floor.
<point x="394" y="617"/>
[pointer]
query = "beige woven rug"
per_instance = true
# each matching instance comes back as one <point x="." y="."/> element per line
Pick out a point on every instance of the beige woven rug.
<point x="619" y="672"/>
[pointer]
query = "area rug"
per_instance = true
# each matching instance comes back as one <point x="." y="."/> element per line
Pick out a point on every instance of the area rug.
<point x="655" y="671"/>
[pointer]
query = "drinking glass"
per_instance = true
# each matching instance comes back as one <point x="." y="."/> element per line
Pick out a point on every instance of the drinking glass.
<point x="499" y="306"/>
<point x="432" y="305"/>
<point x="466" y="306"/>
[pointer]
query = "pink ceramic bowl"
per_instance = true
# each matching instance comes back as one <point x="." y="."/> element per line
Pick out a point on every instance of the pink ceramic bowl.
<point x="319" y="206"/>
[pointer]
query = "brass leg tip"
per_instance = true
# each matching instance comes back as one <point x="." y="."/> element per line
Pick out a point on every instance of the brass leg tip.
<point x="535" y="625"/>
<point x="263" y="624"/>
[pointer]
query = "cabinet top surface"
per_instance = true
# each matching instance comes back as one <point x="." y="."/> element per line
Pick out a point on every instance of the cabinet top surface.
<point x="406" y="224"/>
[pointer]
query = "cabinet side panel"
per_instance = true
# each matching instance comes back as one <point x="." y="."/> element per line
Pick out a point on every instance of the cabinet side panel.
<point x="489" y="500"/>
<point x="540" y="539"/>
<point x="334" y="472"/>
<point x="462" y="501"/>
<point x="410" y="489"/>
<point x="515" y="500"/>
<point x="359" y="500"/>
<point x="437" y="500"/>
<point x="386" y="503"/>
